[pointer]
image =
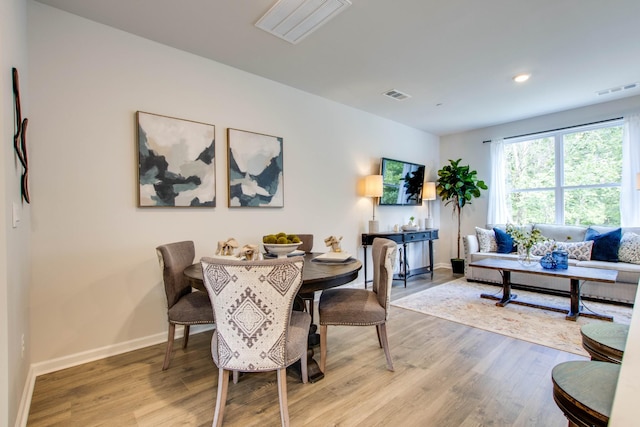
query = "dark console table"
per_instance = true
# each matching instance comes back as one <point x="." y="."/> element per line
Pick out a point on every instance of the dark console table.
<point x="403" y="237"/>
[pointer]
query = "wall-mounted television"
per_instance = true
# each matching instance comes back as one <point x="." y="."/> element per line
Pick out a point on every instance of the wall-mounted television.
<point x="401" y="182"/>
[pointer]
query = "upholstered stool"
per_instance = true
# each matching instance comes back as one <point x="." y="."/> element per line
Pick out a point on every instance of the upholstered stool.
<point x="584" y="391"/>
<point x="605" y="341"/>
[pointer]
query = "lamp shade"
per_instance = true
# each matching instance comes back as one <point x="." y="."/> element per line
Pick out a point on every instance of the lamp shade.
<point x="373" y="186"/>
<point x="429" y="191"/>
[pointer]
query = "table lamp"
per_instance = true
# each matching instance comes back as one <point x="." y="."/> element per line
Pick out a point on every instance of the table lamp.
<point x="373" y="189"/>
<point x="428" y="193"/>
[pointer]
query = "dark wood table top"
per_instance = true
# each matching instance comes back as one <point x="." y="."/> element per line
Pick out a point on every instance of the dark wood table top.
<point x="316" y="276"/>
<point x="573" y="272"/>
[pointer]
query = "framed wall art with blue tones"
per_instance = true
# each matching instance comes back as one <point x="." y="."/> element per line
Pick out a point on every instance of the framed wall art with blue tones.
<point x="176" y="162"/>
<point x="255" y="170"/>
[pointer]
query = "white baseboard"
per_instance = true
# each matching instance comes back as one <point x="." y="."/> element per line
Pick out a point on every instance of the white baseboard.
<point x="53" y="365"/>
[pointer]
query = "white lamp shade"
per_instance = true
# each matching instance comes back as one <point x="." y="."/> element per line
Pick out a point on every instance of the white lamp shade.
<point x="429" y="191"/>
<point x="373" y="186"/>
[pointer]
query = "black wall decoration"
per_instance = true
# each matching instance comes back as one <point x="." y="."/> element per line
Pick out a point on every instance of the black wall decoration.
<point x="20" y="139"/>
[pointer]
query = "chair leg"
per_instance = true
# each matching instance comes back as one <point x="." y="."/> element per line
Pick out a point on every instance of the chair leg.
<point x="236" y="376"/>
<point x="185" y="338"/>
<point x="303" y="367"/>
<point x="385" y="345"/>
<point x="167" y="355"/>
<point x="221" y="398"/>
<point x="282" y="394"/>
<point x="323" y="347"/>
<point x="378" y="333"/>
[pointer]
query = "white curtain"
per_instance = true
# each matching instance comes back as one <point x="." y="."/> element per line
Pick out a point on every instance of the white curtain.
<point x="629" y="195"/>
<point x="497" y="212"/>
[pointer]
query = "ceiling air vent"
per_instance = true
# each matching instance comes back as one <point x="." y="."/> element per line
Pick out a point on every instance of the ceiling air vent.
<point x="293" y="20"/>
<point x="396" y="94"/>
<point x="618" y="89"/>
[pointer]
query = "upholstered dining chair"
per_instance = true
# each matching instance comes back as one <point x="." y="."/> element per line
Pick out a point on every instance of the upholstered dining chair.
<point x="362" y="307"/>
<point x="256" y="329"/>
<point x="184" y="305"/>
<point x="307" y="242"/>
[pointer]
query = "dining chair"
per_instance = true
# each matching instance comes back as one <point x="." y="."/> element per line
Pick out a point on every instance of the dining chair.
<point x="307" y="242"/>
<point x="185" y="306"/>
<point x="362" y="307"/>
<point x="256" y="329"/>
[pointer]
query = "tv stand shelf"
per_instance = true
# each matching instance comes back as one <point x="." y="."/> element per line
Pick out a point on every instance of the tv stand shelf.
<point x="403" y="237"/>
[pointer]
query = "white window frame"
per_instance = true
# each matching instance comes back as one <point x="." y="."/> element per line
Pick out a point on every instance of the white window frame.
<point x="559" y="189"/>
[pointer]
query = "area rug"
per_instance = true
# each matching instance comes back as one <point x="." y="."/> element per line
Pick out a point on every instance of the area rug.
<point x="459" y="301"/>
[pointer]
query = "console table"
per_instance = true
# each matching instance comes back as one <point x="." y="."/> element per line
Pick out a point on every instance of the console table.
<point x="403" y="237"/>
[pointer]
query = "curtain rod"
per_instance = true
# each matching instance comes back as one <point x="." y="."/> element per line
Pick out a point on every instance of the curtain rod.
<point x="557" y="129"/>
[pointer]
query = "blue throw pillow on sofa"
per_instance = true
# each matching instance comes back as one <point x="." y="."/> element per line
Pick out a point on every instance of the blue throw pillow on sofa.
<point x="504" y="241"/>
<point x="605" y="245"/>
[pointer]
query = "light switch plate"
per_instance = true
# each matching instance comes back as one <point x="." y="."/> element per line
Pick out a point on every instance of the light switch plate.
<point x="16" y="214"/>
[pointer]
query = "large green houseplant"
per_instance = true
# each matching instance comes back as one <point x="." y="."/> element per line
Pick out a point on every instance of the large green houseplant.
<point x="457" y="186"/>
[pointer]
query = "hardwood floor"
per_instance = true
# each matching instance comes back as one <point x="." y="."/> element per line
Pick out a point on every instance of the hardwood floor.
<point x="446" y="374"/>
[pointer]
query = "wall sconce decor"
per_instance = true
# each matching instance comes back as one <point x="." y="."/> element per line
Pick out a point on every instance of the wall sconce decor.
<point x="373" y="189"/>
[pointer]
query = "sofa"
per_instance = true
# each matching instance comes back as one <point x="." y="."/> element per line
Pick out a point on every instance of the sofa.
<point x="592" y="247"/>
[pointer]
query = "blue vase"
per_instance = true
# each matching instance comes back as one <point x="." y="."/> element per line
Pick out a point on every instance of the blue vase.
<point x="562" y="258"/>
<point x="548" y="262"/>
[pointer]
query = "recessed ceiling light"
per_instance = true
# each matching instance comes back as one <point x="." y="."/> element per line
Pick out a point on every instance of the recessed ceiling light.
<point x="521" y="78"/>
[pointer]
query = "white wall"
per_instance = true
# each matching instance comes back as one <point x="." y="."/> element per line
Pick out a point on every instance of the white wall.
<point x="14" y="242"/>
<point x="96" y="281"/>
<point x="469" y="147"/>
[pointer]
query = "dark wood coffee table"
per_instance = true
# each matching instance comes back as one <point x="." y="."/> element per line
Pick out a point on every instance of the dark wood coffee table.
<point x="574" y="274"/>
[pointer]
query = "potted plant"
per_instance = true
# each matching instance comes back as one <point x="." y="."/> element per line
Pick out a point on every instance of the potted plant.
<point x="457" y="185"/>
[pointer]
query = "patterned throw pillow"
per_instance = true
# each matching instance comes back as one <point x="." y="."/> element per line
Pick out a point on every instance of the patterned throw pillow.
<point x="542" y="248"/>
<point x="580" y="251"/>
<point x="486" y="240"/>
<point x="629" y="248"/>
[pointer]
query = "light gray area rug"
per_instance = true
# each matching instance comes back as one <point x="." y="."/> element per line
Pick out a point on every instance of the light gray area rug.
<point x="459" y="301"/>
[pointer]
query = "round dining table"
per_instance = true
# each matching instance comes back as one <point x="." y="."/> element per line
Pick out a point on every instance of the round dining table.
<point x="316" y="276"/>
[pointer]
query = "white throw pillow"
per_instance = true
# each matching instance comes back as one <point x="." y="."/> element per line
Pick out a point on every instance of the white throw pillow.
<point x="486" y="240"/>
<point x="542" y="248"/>
<point x="629" y="248"/>
<point x="578" y="250"/>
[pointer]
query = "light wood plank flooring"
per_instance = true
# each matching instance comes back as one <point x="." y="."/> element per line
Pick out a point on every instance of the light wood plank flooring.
<point x="446" y="374"/>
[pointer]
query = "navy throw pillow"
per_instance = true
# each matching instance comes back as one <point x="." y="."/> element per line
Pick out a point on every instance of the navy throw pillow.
<point x="504" y="241"/>
<point x="605" y="245"/>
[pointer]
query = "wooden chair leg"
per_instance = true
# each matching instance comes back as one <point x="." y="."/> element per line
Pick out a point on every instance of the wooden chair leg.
<point x="236" y="376"/>
<point x="185" y="338"/>
<point x="385" y="345"/>
<point x="221" y="398"/>
<point x="378" y="333"/>
<point x="323" y="347"/>
<point x="167" y="354"/>
<point x="303" y="368"/>
<point x="282" y="395"/>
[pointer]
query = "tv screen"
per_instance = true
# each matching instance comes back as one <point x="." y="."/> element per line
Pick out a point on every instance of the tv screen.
<point x="401" y="182"/>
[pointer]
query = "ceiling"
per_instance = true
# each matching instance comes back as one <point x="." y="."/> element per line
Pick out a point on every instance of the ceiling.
<point x="456" y="58"/>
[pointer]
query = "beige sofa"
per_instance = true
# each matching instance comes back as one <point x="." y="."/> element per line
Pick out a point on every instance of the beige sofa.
<point x="624" y="290"/>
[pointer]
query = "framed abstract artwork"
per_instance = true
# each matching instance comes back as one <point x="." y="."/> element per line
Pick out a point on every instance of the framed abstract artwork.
<point x="176" y="162"/>
<point x="255" y="170"/>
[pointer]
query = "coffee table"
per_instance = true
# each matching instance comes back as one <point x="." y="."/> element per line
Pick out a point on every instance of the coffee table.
<point x="574" y="274"/>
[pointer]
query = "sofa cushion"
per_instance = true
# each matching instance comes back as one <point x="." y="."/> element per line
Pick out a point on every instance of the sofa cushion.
<point x="580" y="251"/>
<point x="562" y="233"/>
<point x="486" y="240"/>
<point x="629" y="248"/>
<point x="605" y="245"/>
<point x="504" y="241"/>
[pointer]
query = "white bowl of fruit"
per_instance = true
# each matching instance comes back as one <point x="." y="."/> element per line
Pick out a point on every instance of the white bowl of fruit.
<point x="281" y="244"/>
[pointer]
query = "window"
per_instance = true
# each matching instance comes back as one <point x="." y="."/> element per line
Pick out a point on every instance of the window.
<point x="570" y="176"/>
